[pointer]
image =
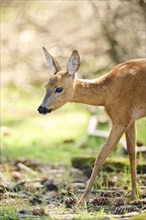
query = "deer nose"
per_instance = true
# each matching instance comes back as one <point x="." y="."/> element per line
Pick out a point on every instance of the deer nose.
<point x="43" y="110"/>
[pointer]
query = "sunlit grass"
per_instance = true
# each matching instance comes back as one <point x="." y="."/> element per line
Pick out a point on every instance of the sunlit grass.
<point x="40" y="137"/>
<point x="141" y="130"/>
<point x="46" y="138"/>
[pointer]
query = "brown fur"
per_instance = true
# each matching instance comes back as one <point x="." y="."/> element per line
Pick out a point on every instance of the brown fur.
<point x="122" y="91"/>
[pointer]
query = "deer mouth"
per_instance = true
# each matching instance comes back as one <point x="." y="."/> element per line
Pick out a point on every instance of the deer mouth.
<point x="43" y="110"/>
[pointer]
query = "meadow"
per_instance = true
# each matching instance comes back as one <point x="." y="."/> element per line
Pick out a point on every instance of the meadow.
<point x="26" y="133"/>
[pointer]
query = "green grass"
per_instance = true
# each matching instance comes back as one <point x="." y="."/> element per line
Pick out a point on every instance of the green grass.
<point x="11" y="212"/>
<point x="42" y="138"/>
<point x="7" y="211"/>
<point x="30" y="135"/>
<point x="35" y="136"/>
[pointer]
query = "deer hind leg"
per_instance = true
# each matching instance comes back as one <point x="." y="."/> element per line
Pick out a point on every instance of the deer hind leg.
<point x="109" y="145"/>
<point x="131" y="147"/>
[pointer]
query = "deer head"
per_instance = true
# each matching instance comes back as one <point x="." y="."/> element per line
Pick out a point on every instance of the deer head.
<point x="60" y="87"/>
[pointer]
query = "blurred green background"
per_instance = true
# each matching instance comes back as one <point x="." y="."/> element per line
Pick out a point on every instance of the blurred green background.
<point x="104" y="32"/>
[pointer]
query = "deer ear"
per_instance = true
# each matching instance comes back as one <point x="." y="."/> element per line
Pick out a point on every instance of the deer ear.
<point x="52" y="63"/>
<point x="73" y="63"/>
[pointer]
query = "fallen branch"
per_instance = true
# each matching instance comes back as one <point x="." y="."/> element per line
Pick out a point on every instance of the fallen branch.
<point x="92" y="131"/>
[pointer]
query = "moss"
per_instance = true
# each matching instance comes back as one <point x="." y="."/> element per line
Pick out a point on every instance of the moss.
<point x="138" y="217"/>
<point x="110" y="165"/>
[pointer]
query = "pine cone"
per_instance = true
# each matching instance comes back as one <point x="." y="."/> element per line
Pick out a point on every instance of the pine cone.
<point x="119" y="201"/>
<point x="70" y="201"/>
<point x="102" y="201"/>
<point x="125" y="209"/>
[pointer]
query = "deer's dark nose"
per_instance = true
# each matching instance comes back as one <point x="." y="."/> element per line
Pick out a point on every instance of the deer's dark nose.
<point x="43" y="110"/>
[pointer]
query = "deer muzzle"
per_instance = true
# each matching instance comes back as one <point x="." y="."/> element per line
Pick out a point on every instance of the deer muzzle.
<point x="43" y="110"/>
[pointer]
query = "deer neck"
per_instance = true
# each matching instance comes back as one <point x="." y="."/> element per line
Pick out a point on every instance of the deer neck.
<point x="90" y="92"/>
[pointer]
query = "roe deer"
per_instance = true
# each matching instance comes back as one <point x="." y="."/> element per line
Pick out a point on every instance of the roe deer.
<point x="122" y="92"/>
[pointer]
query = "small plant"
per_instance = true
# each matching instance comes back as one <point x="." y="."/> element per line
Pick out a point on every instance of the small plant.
<point x="8" y="211"/>
<point x="126" y="177"/>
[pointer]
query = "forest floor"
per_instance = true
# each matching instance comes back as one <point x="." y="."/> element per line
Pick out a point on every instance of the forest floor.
<point x="30" y="190"/>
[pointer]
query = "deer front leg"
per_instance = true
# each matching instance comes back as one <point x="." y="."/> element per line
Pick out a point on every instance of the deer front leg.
<point x="131" y="147"/>
<point x="109" y="145"/>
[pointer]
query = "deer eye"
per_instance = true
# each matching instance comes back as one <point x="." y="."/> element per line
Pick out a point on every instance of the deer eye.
<point x="58" y="90"/>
